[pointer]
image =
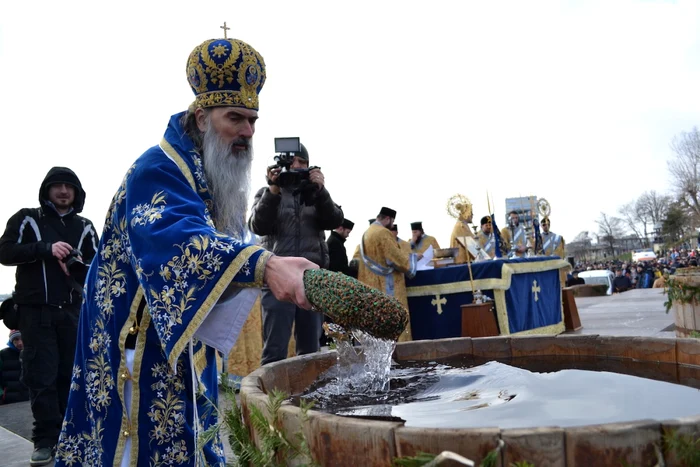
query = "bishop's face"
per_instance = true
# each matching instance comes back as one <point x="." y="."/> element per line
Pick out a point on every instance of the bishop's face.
<point x="234" y="125"/>
<point x="545" y="226"/>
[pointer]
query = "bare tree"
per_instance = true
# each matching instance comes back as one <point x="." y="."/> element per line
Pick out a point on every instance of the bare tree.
<point x="580" y="246"/>
<point x="631" y="217"/>
<point x="610" y="229"/>
<point x="653" y="207"/>
<point x="582" y="237"/>
<point x="685" y="168"/>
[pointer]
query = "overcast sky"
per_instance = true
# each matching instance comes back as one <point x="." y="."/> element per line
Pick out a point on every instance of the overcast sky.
<point x="402" y="103"/>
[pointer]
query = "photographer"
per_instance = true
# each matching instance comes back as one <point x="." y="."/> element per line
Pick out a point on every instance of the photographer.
<point x="51" y="246"/>
<point x="291" y="215"/>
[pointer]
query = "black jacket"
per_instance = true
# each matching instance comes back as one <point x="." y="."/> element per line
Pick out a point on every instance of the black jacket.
<point x="11" y="388"/>
<point x="27" y="242"/>
<point x="290" y="228"/>
<point x="621" y="283"/>
<point x="337" y="253"/>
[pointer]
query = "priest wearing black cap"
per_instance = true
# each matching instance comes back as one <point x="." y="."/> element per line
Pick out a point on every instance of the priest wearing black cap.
<point x="486" y="238"/>
<point x="338" y="260"/>
<point x="420" y="241"/>
<point x="383" y="264"/>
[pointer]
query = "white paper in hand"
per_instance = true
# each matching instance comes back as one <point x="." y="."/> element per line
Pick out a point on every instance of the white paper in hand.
<point x="425" y="262"/>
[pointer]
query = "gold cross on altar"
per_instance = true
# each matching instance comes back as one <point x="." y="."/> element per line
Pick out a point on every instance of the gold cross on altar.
<point x="437" y="301"/>
<point x="535" y="289"/>
<point x="225" y="29"/>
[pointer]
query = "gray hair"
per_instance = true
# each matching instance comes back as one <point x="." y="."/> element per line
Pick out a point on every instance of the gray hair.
<point x="189" y="124"/>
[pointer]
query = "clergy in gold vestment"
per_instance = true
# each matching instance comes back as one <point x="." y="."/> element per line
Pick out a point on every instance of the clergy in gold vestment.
<point x="486" y="239"/>
<point x="461" y="229"/>
<point x="355" y="260"/>
<point x="420" y="241"/>
<point x="514" y="236"/>
<point x="405" y="246"/>
<point x="383" y="263"/>
<point x="552" y="244"/>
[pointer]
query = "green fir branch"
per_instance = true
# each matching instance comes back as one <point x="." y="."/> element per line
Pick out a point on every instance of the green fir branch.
<point x="491" y="459"/>
<point x="420" y="459"/>
<point x="273" y="447"/>
<point x="685" y="447"/>
<point x="678" y="292"/>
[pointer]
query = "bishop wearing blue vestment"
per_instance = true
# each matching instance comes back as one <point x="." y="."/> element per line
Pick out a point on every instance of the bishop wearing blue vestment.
<point x="173" y="280"/>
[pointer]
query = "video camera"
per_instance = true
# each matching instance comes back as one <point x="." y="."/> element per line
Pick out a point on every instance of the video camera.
<point x="287" y="149"/>
<point x="76" y="268"/>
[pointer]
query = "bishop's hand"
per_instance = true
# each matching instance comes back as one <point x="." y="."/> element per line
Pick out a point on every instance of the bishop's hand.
<point x="285" y="277"/>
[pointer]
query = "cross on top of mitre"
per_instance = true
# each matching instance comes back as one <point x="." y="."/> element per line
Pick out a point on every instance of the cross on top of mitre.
<point x="225" y="29"/>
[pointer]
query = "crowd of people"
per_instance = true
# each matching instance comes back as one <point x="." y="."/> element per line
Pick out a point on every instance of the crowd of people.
<point x="639" y="274"/>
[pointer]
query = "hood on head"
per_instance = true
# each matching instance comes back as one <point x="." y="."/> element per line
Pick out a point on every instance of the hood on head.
<point x="62" y="175"/>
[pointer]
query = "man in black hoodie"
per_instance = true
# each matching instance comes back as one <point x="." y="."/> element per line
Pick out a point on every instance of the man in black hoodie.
<point x="52" y="247"/>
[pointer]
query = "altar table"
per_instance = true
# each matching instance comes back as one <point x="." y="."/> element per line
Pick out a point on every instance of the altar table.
<point x="527" y="293"/>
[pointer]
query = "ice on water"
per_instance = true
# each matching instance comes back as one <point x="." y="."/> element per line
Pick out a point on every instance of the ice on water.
<point x="490" y="395"/>
<point x="499" y="395"/>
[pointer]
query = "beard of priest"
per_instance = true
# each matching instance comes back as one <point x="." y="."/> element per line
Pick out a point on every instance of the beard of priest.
<point x="421" y="242"/>
<point x="227" y="164"/>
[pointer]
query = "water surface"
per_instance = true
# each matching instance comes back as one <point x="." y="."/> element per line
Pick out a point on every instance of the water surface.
<point x="523" y="393"/>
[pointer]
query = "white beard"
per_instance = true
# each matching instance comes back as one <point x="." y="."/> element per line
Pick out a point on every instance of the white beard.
<point x="228" y="177"/>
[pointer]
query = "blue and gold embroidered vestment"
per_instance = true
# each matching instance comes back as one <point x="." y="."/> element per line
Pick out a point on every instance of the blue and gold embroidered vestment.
<point x="159" y="244"/>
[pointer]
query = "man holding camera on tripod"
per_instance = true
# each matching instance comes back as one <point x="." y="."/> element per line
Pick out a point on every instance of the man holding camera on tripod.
<point x="51" y="247"/>
<point x="291" y="214"/>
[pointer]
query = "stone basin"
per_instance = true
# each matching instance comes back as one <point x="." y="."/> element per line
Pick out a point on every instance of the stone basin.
<point x="336" y="440"/>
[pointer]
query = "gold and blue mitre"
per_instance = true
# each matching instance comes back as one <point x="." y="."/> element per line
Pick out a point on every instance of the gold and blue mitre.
<point x="226" y="72"/>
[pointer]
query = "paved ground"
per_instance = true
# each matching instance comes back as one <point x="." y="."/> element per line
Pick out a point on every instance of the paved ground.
<point x="633" y="313"/>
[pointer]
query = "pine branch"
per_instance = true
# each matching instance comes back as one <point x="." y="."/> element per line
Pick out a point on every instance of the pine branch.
<point x="413" y="461"/>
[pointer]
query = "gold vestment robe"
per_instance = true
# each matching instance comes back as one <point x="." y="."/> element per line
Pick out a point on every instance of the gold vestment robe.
<point x="553" y="245"/>
<point x="382" y="251"/>
<point x="461" y="229"/>
<point x="423" y="244"/>
<point x="483" y="239"/>
<point x="507" y="237"/>
<point x="404" y="245"/>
